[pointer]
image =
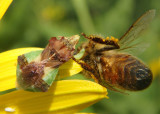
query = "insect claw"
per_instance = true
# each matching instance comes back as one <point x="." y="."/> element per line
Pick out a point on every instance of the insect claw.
<point x="83" y="34"/>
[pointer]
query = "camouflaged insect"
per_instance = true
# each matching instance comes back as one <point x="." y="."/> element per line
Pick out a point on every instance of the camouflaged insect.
<point x="37" y="70"/>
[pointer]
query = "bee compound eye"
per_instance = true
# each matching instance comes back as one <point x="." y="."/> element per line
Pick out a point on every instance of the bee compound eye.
<point x="143" y="78"/>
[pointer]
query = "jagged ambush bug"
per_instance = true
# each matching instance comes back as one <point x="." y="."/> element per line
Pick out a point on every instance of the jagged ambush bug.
<point x="37" y="70"/>
<point x="106" y="62"/>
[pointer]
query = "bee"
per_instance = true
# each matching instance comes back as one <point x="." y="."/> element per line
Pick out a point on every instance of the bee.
<point x="109" y="65"/>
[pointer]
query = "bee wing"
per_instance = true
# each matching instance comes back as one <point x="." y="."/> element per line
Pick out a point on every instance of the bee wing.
<point x="126" y="41"/>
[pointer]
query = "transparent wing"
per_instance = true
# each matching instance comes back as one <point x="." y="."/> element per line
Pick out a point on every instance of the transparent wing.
<point x="135" y="49"/>
<point x="126" y="41"/>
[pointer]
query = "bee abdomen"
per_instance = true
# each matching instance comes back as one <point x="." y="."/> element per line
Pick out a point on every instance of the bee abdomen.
<point x="137" y="76"/>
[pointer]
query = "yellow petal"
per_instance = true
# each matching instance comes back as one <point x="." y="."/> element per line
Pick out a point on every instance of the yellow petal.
<point x="85" y="113"/>
<point x="155" y="67"/>
<point x="67" y="97"/>
<point x="4" y="4"/>
<point x="69" y="68"/>
<point x="8" y="61"/>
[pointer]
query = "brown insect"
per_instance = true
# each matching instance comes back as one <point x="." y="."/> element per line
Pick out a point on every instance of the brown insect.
<point x="107" y="63"/>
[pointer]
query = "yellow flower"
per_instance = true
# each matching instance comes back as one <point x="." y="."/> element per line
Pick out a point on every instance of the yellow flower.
<point x="66" y="96"/>
<point x="155" y="67"/>
<point x="4" y="4"/>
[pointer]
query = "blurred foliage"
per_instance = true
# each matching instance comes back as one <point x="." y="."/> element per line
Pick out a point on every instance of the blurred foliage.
<point x="31" y="23"/>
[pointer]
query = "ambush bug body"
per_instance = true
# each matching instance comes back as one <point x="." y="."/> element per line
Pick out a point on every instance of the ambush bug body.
<point x="37" y="70"/>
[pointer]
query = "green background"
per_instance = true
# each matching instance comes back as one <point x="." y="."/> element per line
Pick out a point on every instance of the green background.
<point x="31" y="23"/>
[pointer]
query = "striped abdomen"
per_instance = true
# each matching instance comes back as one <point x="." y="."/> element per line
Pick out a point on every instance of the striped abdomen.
<point x="125" y="72"/>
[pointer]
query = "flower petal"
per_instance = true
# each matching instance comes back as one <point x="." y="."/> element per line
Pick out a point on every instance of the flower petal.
<point x="68" y="69"/>
<point x="67" y="96"/>
<point x="155" y="67"/>
<point x="4" y="4"/>
<point x="8" y="62"/>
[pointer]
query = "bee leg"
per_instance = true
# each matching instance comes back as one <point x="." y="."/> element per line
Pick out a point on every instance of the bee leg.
<point x="114" y="89"/>
<point x="94" y="78"/>
<point x="84" y="65"/>
<point x="87" y="68"/>
<point x="112" y="42"/>
<point x="107" y="48"/>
